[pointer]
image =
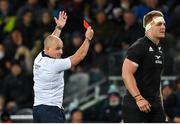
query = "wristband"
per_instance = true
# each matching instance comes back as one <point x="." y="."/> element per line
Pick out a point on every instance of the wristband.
<point x="137" y="95"/>
<point x="88" y="39"/>
<point x="139" y="100"/>
<point x="59" y="27"/>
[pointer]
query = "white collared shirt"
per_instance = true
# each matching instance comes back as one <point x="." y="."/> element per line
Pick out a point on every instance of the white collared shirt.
<point x="49" y="80"/>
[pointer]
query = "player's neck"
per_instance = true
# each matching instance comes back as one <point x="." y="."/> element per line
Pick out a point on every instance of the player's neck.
<point x="153" y="39"/>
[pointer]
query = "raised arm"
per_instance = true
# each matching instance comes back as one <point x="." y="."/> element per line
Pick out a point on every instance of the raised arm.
<point x="82" y="51"/>
<point x="60" y="23"/>
<point x="128" y="70"/>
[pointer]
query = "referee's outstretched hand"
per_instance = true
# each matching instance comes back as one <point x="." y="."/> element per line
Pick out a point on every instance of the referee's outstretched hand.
<point x="144" y="105"/>
<point x="89" y="33"/>
<point x="61" y="20"/>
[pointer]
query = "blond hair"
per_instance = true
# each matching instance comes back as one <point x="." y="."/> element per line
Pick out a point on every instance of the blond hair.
<point x="150" y="16"/>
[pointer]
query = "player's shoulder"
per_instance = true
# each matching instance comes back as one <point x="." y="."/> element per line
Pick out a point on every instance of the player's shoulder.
<point x="38" y="58"/>
<point x="140" y="43"/>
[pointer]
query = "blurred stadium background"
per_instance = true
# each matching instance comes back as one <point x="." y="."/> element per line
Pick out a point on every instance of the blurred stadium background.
<point x="94" y="89"/>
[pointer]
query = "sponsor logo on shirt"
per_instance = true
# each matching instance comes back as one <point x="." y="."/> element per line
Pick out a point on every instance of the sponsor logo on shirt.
<point x="157" y="57"/>
<point x="158" y="61"/>
<point x="150" y="49"/>
<point x="37" y="66"/>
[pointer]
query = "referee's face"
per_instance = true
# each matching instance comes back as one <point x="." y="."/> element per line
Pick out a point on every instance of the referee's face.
<point x="56" y="49"/>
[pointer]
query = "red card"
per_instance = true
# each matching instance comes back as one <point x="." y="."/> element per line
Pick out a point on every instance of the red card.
<point x="86" y="25"/>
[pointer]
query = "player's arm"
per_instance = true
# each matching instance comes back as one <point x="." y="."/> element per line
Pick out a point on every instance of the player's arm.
<point x="82" y="51"/>
<point x="60" y="23"/>
<point x="128" y="70"/>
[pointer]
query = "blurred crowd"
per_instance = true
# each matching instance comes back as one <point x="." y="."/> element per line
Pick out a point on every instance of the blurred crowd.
<point x="117" y="24"/>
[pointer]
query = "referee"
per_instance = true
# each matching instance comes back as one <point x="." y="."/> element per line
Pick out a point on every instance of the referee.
<point x="48" y="70"/>
<point x="141" y="73"/>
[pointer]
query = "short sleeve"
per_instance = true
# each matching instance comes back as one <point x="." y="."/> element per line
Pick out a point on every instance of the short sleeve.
<point x="58" y="65"/>
<point x="136" y="52"/>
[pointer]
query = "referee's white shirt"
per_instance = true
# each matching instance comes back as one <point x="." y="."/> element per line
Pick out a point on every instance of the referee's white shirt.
<point x="49" y="80"/>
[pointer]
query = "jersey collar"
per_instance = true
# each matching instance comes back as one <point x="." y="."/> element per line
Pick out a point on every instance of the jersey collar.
<point x="44" y="55"/>
<point x="151" y="43"/>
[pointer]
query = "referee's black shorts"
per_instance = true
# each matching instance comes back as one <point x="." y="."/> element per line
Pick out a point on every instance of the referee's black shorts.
<point x="48" y="114"/>
<point x="132" y="114"/>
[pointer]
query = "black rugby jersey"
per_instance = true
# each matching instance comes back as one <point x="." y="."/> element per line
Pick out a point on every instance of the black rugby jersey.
<point x="149" y="58"/>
